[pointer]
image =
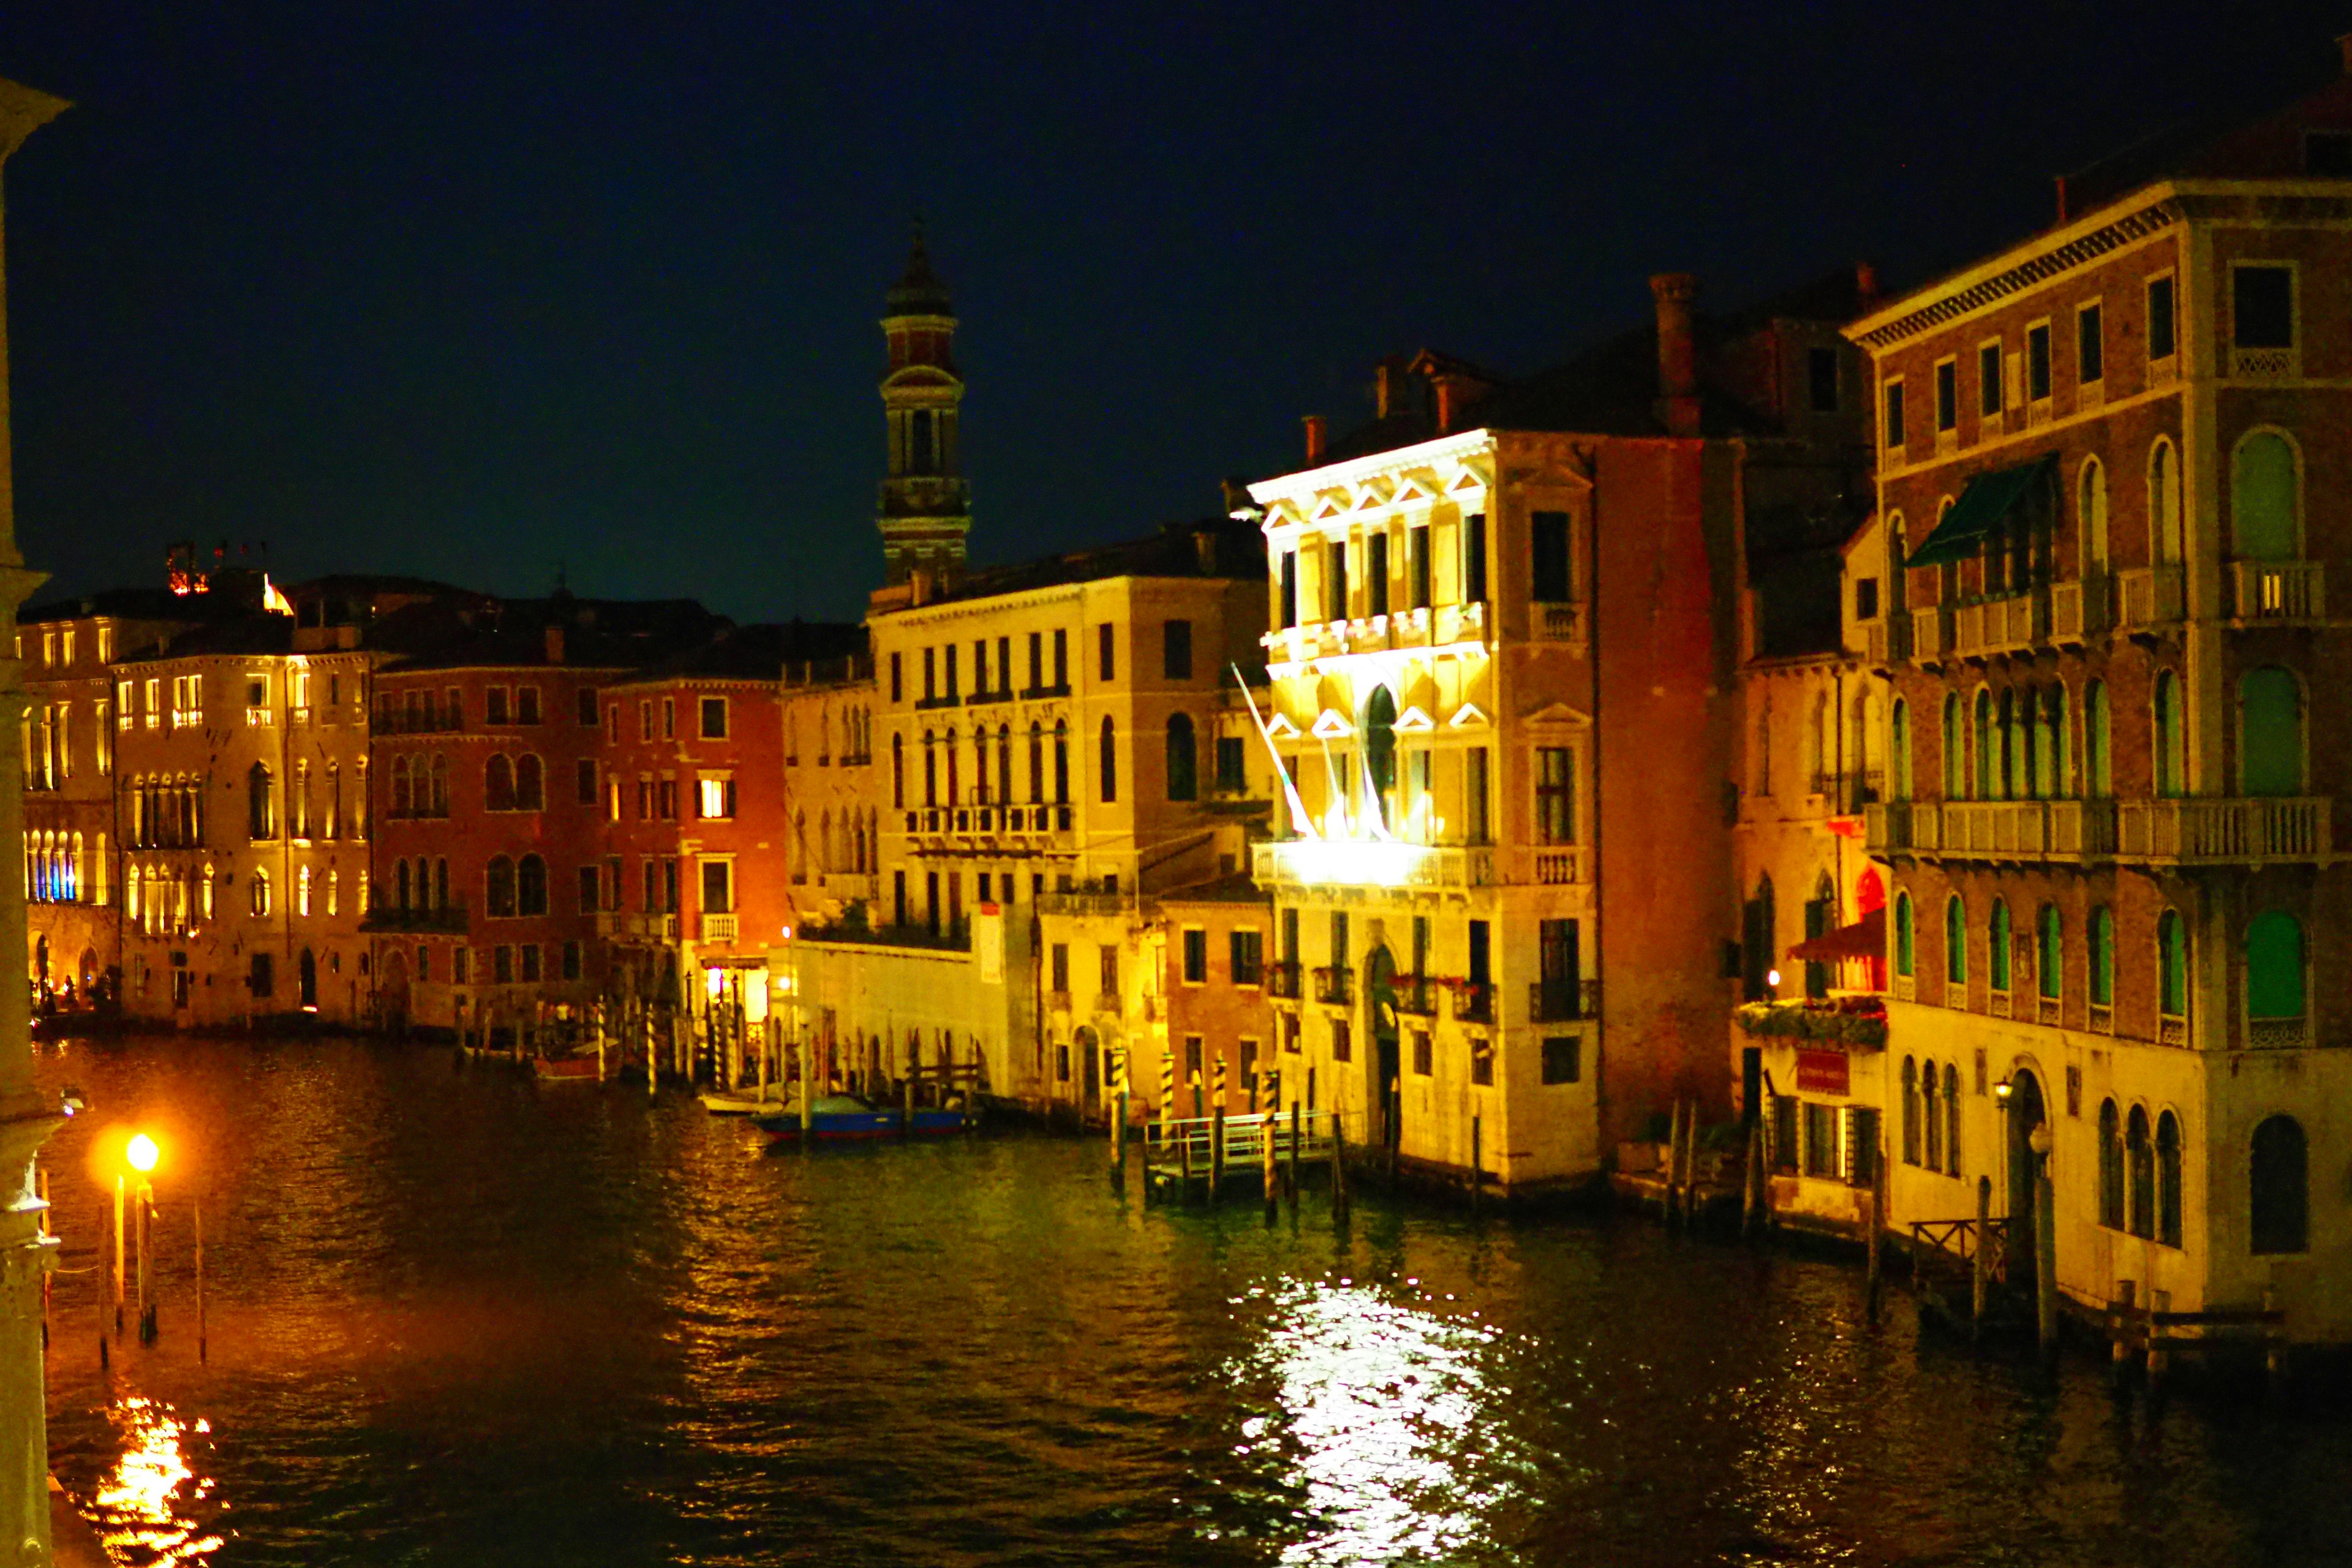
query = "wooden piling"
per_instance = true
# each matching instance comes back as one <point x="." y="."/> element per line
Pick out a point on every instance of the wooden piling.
<point x="1296" y="1124"/>
<point x="1877" y="1226"/>
<point x="202" y="1349"/>
<point x="1674" y="1164"/>
<point x="119" y="1195"/>
<point x="1752" y="1210"/>
<point x="1395" y="1128"/>
<point x="2045" y="1259"/>
<point x="1477" y="1179"/>
<point x="2158" y="1358"/>
<point x="1980" y="1264"/>
<point x="1217" y="1152"/>
<point x="1268" y="1123"/>
<point x="1118" y="1135"/>
<point x="41" y="1191"/>
<point x="1338" y="1172"/>
<point x="2121" y="1324"/>
<point x="1184" y="1161"/>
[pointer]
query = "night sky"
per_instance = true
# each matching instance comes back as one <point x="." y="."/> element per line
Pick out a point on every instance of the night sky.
<point x="475" y="292"/>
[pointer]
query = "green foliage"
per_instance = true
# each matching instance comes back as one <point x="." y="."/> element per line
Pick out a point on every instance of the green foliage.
<point x="1847" y="1026"/>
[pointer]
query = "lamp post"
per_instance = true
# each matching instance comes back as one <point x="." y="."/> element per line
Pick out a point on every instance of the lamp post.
<point x="141" y="1155"/>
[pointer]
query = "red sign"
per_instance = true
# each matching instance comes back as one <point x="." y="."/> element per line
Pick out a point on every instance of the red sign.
<point x="1821" y="1072"/>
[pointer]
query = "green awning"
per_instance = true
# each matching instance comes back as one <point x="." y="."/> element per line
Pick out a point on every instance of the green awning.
<point x="1979" y="512"/>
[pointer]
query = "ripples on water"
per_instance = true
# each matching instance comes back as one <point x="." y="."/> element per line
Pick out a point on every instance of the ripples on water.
<point x="456" y="1319"/>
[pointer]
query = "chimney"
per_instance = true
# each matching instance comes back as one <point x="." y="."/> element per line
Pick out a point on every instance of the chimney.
<point x="2060" y="181"/>
<point x="1677" y="352"/>
<point x="1447" y="398"/>
<point x="555" y="645"/>
<point x="1384" y="390"/>
<point x="1313" y="422"/>
<point x="1865" y="284"/>
<point x="2344" y="48"/>
<point x="1205" y="549"/>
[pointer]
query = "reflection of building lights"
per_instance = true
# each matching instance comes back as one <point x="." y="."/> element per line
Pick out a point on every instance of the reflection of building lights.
<point x="139" y="1504"/>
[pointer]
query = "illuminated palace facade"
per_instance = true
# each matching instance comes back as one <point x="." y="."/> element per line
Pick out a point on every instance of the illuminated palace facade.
<point x="1508" y="628"/>
<point x="2114" y="462"/>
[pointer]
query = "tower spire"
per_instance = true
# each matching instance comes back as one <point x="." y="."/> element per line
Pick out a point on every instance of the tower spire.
<point x="926" y="504"/>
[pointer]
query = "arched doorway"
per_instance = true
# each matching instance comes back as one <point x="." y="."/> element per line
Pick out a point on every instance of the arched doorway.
<point x="307" y="971"/>
<point x="1379" y="993"/>
<point x="2026" y="1112"/>
<point x="1089" y="1067"/>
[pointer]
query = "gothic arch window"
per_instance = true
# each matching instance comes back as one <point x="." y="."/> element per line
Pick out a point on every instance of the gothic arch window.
<point x="2102" y="952"/>
<point x="930" y="769"/>
<point x="1988" y="748"/>
<point x="979" y="763"/>
<point x="2165" y="542"/>
<point x="1183" y="761"/>
<point x="498" y="888"/>
<point x="898" y="772"/>
<point x="2049" y="952"/>
<point x="2270" y="732"/>
<point x="1107" y="765"/>
<point x="531" y="886"/>
<point x="400" y="890"/>
<point x="2098" y="748"/>
<point x="1036" y="762"/>
<point x="440" y="801"/>
<point x="2265" y="499"/>
<point x="1951" y="1119"/>
<point x="1380" y="746"/>
<point x="1955" y="942"/>
<point x="1931" y="1116"/>
<point x="530" y="783"/>
<point x="498" y="783"/>
<point x="2280" y="1187"/>
<point x="2111" y="1167"/>
<point x="2168" y="735"/>
<point x="256" y="893"/>
<point x="1904" y="945"/>
<point x="1911" y="1110"/>
<point x="1061" y="762"/>
<point x="1997" y="951"/>
<point x="403" y="798"/>
<point x="2139" y="1160"/>
<point x="2172" y="964"/>
<point x="2091" y="517"/>
<point x="1898" y="746"/>
<point x="1004" y="760"/>
<point x="260" y="803"/>
<point x="2167" y="1179"/>
<point x="951" y="748"/>
<point x="440" y="887"/>
<point x="1956" y="749"/>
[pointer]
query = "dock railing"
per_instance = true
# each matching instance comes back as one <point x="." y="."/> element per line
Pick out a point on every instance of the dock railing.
<point x="1959" y="1241"/>
<point x="1186" y="1150"/>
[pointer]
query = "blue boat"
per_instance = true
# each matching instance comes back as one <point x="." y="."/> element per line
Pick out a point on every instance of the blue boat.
<point x="840" y="1118"/>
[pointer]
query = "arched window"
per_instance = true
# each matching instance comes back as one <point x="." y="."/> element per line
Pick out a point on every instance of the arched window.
<point x="400" y="885"/>
<point x="2102" y="932"/>
<point x="1061" y="762"/>
<point x="2091" y="518"/>
<point x="2012" y="747"/>
<point x="1956" y="751"/>
<point x="302" y="892"/>
<point x="1955" y="942"/>
<point x="2275" y="986"/>
<point x="2164" y="504"/>
<point x="1898" y="746"/>
<point x="1951" y="1119"/>
<point x="2265" y="521"/>
<point x="404" y="802"/>
<point x="2270" y="732"/>
<point x="530" y="783"/>
<point x="257" y="893"/>
<point x="498" y="783"/>
<point x="1004" y="763"/>
<point x="1997" y="953"/>
<point x="531" y="886"/>
<point x="260" y="803"/>
<point x="1931" y="1114"/>
<point x="930" y="769"/>
<point x="1869" y="744"/>
<point x="951" y="748"/>
<point x="1987" y="745"/>
<point x="440" y="887"/>
<point x="2171" y="757"/>
<point x="1182" y="777"/>
<point x="2111" y="1167"/>
<point x="2049" y="957"/>
<point x="2167" y="1179"/>
<point x="2099" y="770"/>
<point x="2056" y="781"/>
<point x="979" y="763"/>
<point x="440" y="795"/>
<point x="2281" y="1187"/>
<point x="1107" y="765"/>
<point x="898" y="772"/>
<point x="1902" y="939"/>
<point x="2172" y="964"/>
<point x="2139" y="1157"/>
<point x="1036" y="762"/>
<point x="1379" y="747"/>
<point x="1911" y="1110"/>
<point x="498" y="888"/>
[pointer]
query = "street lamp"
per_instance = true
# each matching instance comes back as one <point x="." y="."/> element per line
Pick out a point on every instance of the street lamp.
<point x="141" y="1155"/>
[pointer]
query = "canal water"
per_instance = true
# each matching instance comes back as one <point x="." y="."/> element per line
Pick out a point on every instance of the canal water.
<point x="455" y="1318"/>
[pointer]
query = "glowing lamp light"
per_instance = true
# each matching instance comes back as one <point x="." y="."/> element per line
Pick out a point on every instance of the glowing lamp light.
<point x="141" y="1153"/>
<point x="2001" y="1091"/>
<point x="714" y="982"/>
<point x="1772" y="978"/>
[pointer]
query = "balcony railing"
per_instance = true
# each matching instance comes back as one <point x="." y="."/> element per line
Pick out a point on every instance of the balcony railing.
<point x="2277" y="590"/>
<point x="717" y="928"/>
<point x="2262" y="830"/>
<point x="1561" y="623"/>
<point x="1415" y="995"/>
<point x="2078" y="609"/>
<point x="2148" y="596"/>
<point x="1559" y="1001"/>
<point x="1315" y="862"/>
<point x="2277" y="1034"/>
<point x="1282" y="979"/>
<point x="1437" y="626"/>
<point x="1335" y="983"/>
<point x="1931" y="630"/>
<point x="1474" y="1001"/>
<point x="1558" y="865"/>
<point x="1887" y="640"/>
<point x="2001" y="626"/>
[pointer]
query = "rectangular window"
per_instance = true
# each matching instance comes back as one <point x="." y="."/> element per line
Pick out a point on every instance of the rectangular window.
<point x="2160" y="318"/>
<point x="669" y="885"/>
<point x="1288" y="607"/>
<point x="1339" y="939"/>
<point x="717" y="886"/>
<point x="1176" y="651"/>
<point x="460" y="965"/>
<point x="1821" y="376"/>
<point x="1342" y="1045"/>
<point x="1376" y="573"/>
<point x="1865" y="598"/>
<point x="1989" y="380"/>
<point x="527" y="705"/>
<point x="1232" y="752"/>
<point x="669" y="719"/>
<point x="930" y="675"/>
<point x="715" y="796"/>
<point x="502" y="965"/>
<point x="585" y="783"/>
<point x="585" y="710"/>
<point x="1947" y="396"/>
<point x="1106" y="956"/>
<point x="1061" y="966"/>
<point x="714" y="717"/>
<point x="652" y="890"/>
<point x="1106" y="651"/>
<point x="1192" y="1058"/>
<point x="666" y="795"/>
<point x="1248" y="956"/>
<point x="1474" y="823"/>
<point x="1335" y="580"/>
<point x="1416" y="565"/>
<point x="644" y="719"/>
<point x="1290" y="953"/>
<point x="1474" y="559"/>
<point x="1005" y="665"/>
<point x="530" y="961"/>
<point x="978" y="666"/>
<point x="2090" y="345"/>
<point x="1547" y="578"/>
<point x="1820" y="1140"/>
<point x="1424" y="1058"/>
<point x="1037" y="660"/>
<point x="2262" y="310"/>
<point x="952" y="692"/>
<point x="590" y="884"/>
<point x="2037" y="363"/>
<point x="897" y="680"/>
<point x="1196" y="956"/>
<point x="571" y="960"/>
<point x="1894" y="432"/>
<point x="1554" y="795"/>
<point x="1563" y="1058"/>
<point x="494" y="705"/>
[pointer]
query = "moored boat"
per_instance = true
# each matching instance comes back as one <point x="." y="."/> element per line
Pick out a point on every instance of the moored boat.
<point x="564" y="1069"/>
<point x="843" y="1117"/>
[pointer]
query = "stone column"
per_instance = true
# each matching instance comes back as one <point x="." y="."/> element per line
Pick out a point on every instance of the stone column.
<point x="26" y="1119"/>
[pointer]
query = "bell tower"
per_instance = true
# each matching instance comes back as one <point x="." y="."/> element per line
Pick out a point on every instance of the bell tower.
<point x="926" y="504"/>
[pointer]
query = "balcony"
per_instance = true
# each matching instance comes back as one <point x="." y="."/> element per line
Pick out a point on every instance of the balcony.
<point x="1413" y="995"/>
<point x="260" y="718"/>
<point x="2077" y="610"/>
<point x="1887" y="640"/>
<point x="1282" y="979"/>
<point x="2060" y="830"/>
<point x="717" y="928"/>
<point x="983" y="829"/>
<point x="2147" y="597"/>
<point x="1931" y="630"/>
<point x="2262" y="591"/>
<point x="1556" y="865"/>
<point x="1438" y="626"/>
<point x="2277" y="1034"/>
<point x="2272" y="830"/>
<point x="1559" y="1001"/>
<point x="1561" y="623"/>
<point x="1359" y="863"/>
<point x="1334" y="985"/>
<point x="2005" y="625"/>
<point x="1474" y="1001"/>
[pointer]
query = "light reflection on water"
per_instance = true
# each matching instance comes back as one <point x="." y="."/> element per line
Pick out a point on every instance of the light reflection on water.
<point x="1381" y="1401"/>
<point x="142" y="1505"/>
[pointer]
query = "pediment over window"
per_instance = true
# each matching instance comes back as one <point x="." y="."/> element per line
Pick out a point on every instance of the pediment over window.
<point x="1468" y="717"/>
<point x="1281" y="728"/>
<point x="1413" y="722"/>
<point x="1558" y="716"/>
<point x="1332" y="725"/>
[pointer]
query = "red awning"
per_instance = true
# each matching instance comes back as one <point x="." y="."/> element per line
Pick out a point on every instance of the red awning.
<point x="1866" y="938"/>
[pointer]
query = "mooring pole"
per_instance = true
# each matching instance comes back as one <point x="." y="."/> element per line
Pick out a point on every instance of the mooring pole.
<point x="1477" y="1179"/>
<point x="1269" y="1123"/>
<point x="1753" y="1221"/>
<point x="2045" y="1248"/>
<point x="202" y="1352"/>
<point x="1338" y="1172"/>
<point x="1296" y="1140"/>
<point x="1877" y="1222"/>
<point x="1216" y="1150"/>
<point x="1980" y="1269"/>
<point x="118" y="1193"/>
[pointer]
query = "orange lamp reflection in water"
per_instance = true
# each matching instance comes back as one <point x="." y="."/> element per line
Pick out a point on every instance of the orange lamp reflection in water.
<point x="141" y="1504"/>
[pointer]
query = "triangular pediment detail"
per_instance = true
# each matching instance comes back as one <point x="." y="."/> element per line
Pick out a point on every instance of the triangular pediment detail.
<point x="1413" y="722"/>
<point x="1468" y="717"/>
<point x="1332" y="725"/>
<point x="1281" y="728"/>
<point x="1558" y="716"/>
